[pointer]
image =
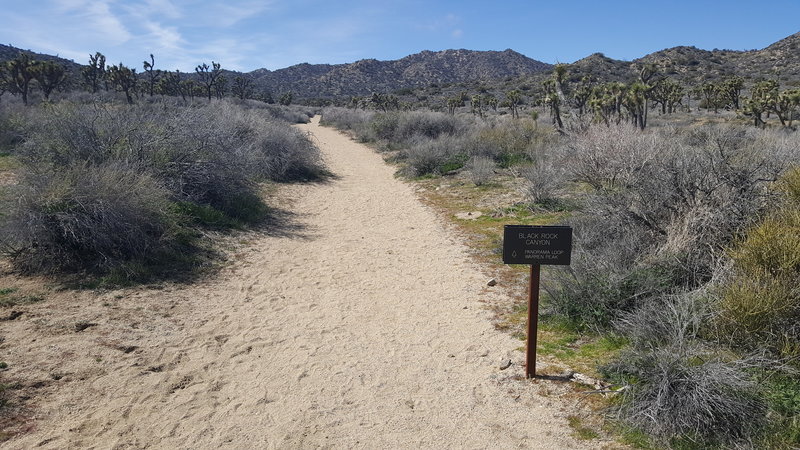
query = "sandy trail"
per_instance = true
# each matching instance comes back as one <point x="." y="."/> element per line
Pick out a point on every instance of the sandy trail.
<point x="363" y="330"/>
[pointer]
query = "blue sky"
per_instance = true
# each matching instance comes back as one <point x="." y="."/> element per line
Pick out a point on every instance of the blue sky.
<point x="246" y="35"/>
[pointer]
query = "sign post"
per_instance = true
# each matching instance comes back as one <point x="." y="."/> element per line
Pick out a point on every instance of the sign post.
<point x="537" y="246"/>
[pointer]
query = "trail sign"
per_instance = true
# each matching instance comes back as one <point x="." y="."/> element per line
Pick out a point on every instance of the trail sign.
<point x="529" y="244"/>
<point x="535" y="245"/>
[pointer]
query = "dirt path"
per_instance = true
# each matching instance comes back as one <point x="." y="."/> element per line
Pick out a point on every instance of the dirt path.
<point x="365" y="329"/>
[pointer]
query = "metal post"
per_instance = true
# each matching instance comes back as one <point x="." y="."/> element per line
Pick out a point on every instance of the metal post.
<point x="533" y="322"/>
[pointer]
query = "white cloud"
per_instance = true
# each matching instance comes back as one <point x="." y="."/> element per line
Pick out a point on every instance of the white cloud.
<point x="164" y="38"/>
<point x="163" y="8"/>
<point x="106" y="23"/>
<point x="224" y="15"/>
<point x="446" y="23"/>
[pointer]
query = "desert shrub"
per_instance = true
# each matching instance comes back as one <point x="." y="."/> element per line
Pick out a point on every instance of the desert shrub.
<point x="759" y="305"/>
<point x="434" y="156"/>
<point x="87" y="217"/>
<point x="510" y="142"/>
<point x="480" y="169"/>
<point x="204" y="159"/>
<point x="384" y="126"/>
<point x="689" y="394"/>
<point x="12" y="125"/>
<point x="660" y="210"/>
<point x="761" y="312"/>
<point x="193" y="153"/>
<point x="426" y="124"/>
<point x="679" y="388"/>
<point x="345" y="118"/>
<point x="790" y="186"/>
<point x="544" y="176"/>
<point x="676" y="320"/>
<point x="354" y="120"/>
<point x="290" y="114"/>
<point x="281" y="153"/>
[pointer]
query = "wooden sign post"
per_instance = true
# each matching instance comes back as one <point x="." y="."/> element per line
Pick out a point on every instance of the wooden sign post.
<point x="537" y="246"/>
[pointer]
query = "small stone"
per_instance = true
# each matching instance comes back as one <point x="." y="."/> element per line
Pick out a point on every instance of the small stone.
<point x="491" y="282"/>
<point x="470" y="215"/>
<point x="82" y="325"/>
<point x="505" y="365"/>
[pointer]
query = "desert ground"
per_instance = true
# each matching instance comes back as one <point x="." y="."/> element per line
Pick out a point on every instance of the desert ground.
<point x="358" y="323"/>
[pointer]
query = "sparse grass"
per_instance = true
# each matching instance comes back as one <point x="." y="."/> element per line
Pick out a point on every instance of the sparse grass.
<point x="10" y="297"/>
<point x="631" y="436"/>
<point x="8" y="162"/>
<point x="580" y="430"/>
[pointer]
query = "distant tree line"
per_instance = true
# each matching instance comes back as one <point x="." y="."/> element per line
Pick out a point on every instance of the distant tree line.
<point x="617" y="102"/>
<point x="23" y="74"/>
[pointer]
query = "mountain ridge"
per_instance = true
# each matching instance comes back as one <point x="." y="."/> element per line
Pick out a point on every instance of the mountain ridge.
<point x="688" y="64"/>
<point x="417" y="70"/>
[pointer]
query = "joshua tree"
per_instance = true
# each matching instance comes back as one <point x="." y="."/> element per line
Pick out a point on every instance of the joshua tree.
<point x="452" y="104"/>
<point x="761" y="99"/>
<point x="19" y="73"/>
<point x="170" y="84"/>
<point x="50" y="76"/>
<point x="785" y="105"/>
<point x="477" y="104"/>
<point x="582" y="94"/>
<point x="490" y="101"/>
<point x="731" y="90"/>
<point x="286" y="99"/>
<point x="646" y="73"/>
<point x="152" y="75"/>
<point x="668" y="94"/>
<point x="513" y="99"/>
<point x="242" y="87"/>
<point x="553" y="100"/>
<point x="208" y="76"/>
<point x="384" y="102"/>
<point x="220" y="86"/>
<point x="560" y="77"/>
<point x="95" y="72"/>
<point x="635" y="101"/>
<point x="190" y="87"/>
<point x="3" y="82"/>
<point x="123" y="79"/>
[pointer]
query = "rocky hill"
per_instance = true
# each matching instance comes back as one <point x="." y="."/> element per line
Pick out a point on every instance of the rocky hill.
<point x="418" y="70"/>
<point x="692" y="65"/>
<point x="8" y="52"/>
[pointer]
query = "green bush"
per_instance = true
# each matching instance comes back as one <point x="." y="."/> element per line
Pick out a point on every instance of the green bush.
<point x="760" y="306"/>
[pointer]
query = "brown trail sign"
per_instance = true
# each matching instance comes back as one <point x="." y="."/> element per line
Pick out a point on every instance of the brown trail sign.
<point x="535" y="245"/>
